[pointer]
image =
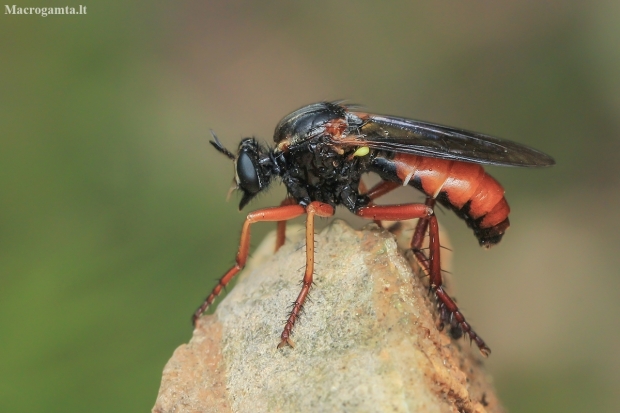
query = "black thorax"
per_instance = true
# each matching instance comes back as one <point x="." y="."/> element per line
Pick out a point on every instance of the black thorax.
<point x="315" y="171"/>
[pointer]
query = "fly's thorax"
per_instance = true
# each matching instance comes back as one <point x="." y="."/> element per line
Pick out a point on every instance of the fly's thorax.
<point x="321" y="172"/>
<point x="307" y="122"/>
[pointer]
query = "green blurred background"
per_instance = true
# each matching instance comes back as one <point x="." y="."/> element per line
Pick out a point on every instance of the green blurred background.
<point x="113" y="220"/>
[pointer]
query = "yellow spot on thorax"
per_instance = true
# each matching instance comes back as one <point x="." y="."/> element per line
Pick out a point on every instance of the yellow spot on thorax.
<point x="362" y="151"/>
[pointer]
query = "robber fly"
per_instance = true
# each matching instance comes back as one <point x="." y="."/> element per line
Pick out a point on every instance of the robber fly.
<point x="320" y="154"/>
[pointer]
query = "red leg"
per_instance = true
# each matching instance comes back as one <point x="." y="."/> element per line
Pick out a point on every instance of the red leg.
<point x="395" y="212"/>
<point x="322" y="210"/>
<point x="381" y="189"/>
<point x="432" y="265"/>
<point x="442" y="296"/>
<point x="418" y="239"/>
<point x="362" y="189"/>
<point x="280" y="213"/>
<point x="376" y="191"/>
<point x="281" y="226"/>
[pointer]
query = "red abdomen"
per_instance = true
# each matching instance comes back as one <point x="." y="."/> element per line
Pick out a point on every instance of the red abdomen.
<point x="461" y="186"/>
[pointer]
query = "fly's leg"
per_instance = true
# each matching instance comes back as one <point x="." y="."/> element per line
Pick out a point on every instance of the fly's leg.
<point x="281" y="213"/>
<point x="362" y="189"/>
<point x="376" y="191"/>
<point x="321" y="210"/>
<point x="281" y="226"/>
<point x="431" y="265"/>
<point x="381" y="189"/>
<point x="418" y="239"/>
<point x="395" y="212"/>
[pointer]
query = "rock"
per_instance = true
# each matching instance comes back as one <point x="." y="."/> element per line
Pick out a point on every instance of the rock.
<point x="367" y="340"/>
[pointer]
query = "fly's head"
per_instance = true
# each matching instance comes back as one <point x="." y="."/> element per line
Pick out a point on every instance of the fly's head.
<point x="253" y="167"/>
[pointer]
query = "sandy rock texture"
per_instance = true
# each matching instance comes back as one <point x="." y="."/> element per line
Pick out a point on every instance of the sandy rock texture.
<point x="367" y="341"/>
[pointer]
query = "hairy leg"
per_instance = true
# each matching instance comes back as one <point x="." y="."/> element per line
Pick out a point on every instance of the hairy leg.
<point x="321" y="210"/>
<point x="432" y="264"/>
<point x="281" y="226"/>
<point x="281" y="213"/>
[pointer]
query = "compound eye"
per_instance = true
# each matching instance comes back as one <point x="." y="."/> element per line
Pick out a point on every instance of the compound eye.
<point x="247" y="174"/>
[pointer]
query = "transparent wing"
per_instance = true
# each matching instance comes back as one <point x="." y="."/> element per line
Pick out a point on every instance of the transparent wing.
<point x="437" y="141"/>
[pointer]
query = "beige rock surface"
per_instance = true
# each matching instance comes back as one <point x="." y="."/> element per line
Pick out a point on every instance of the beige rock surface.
<point x="367" y="341"/>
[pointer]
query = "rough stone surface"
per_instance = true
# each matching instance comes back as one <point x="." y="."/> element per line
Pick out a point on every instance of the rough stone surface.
<point x="367" y="341"/>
